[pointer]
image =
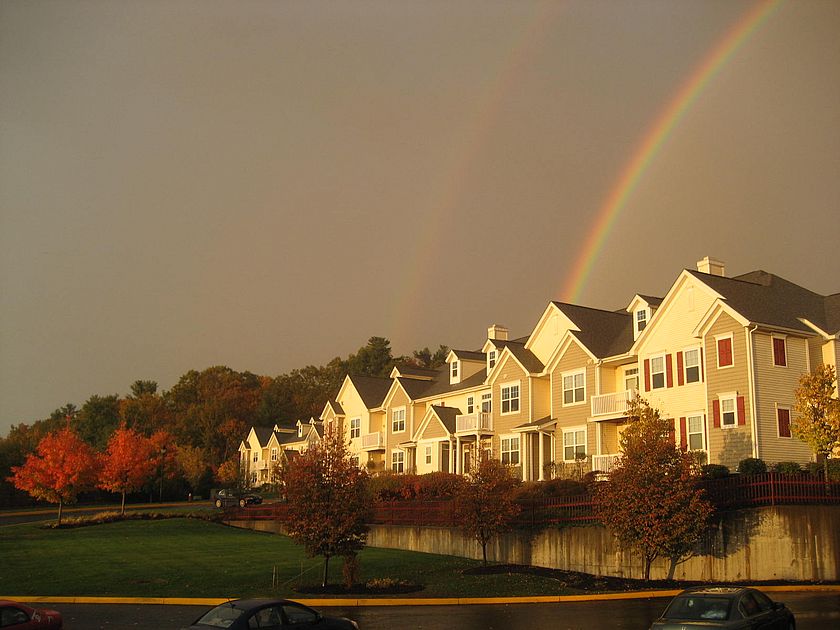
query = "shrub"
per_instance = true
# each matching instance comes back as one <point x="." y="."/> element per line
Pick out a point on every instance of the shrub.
<point x="428" y="487"/>
<point x="787" y="468"/>
<point x="752" y="466"/>
<point x="537" y="490"/>
<point x="817" y="469"/>
<point x="714" y="471"/>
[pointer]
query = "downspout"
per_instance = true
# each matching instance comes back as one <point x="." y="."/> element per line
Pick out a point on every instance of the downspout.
<point x="751" y="366"/>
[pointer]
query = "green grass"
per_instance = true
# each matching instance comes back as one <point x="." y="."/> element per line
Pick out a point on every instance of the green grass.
<point x="192" y="558"/>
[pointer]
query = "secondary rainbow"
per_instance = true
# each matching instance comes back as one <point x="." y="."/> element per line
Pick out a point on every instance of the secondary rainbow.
<point x="656" y="136"/>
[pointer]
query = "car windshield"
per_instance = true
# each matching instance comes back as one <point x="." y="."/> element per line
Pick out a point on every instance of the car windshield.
<point x="696" y="608"/>
<point x="220" y="617"/>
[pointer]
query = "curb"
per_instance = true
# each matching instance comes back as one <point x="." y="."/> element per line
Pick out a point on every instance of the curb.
<point x="440" y="601"/>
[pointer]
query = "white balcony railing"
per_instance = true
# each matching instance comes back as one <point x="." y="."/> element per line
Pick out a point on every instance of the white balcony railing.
<point x="471" y="422"/>
<point x="605" y="463"/>
<point x="613" y="404"/>
<point x="373" y="440"/>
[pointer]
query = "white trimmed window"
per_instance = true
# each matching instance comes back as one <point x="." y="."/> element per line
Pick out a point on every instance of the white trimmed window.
<point x="728" y="411"/>
<point x="510" y="398"/>
<point x="510" y="450"/>
<point x="695" y="434"/>
<point x="470" y="404"/>
<point x="274" y="454"/>
<point x="453" y="371"/>
<point x="300" y="430"/>
<point x="256" y="456"/>
<point x="641" y="320"/>
<point x="486" y="402"/>
<point x="354" y="459"/>
<point x="657" y="372"/>
<point x="631" y="378"/>
<point x="574" y="443"/>
<point x="691" y="365"/>
<point x="574" y="388"/>
<point x="428" y="454"/>
<point x="491" y="360"/>
<point x="398" y="420"/>
<point x="397" y="461"/>
<point x="355" y="428"/>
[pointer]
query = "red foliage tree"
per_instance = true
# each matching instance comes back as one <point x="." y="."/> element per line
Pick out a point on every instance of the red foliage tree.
<point x="127" y="464"/>
<point x="328" y="501"/>
<point x="62" y="466"/>
<point x="165" y="456"/>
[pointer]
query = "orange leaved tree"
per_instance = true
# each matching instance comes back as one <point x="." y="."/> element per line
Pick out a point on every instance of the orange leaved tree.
<point x="127" y="464"/>
<point x="62" y="466"/>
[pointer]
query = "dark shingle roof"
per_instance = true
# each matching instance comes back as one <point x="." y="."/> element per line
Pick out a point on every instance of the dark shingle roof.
<point x="447" y="416"/>
<point x="470" y="355"/>
<point x="372" y="389"/>
<point x="337" y="408"/>
<point x="527" y="358"/>
<point x="406" y="369"/>
<point x="604" y="333"/>
<point x="263" y="434"/>
<point x="651" y="300"/>
<point x="414" y="388"/>
<point x="764" y="298"/>
<point x="441" y="384"/>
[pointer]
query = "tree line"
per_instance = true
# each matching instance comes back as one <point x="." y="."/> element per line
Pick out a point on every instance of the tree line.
<point x="206" y="413"/>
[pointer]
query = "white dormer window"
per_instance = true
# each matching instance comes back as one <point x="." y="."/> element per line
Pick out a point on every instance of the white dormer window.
<point x="491" y="360"/>
<point x="454" y="370"/>
<point x="300" y="430"/>
<point x="641" y="320"/>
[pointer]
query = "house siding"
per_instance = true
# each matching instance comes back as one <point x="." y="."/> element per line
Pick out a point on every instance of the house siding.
<point x="398" y="400"/>
<point x="728" y="446"/>
<point x="509" y="372"/>
<point x="573" y="359"/>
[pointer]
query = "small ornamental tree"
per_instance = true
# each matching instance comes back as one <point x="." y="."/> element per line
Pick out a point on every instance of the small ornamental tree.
<point x="164" y="455"/>
<point x="651" y="502"/>
<point x="62" y="466"/>
<point x="817" y="420"/>
<point x="127" y="464"/>
<point x="232" y="474"/>
<point x="484" y="505"/>
<point x="328" y="501"/>
<point x="192" y="460"/>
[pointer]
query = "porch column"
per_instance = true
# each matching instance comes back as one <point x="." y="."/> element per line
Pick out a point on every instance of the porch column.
<point x="541" y="448"/>
<point x="525" y="443"/>
<point x="457" y="455"/>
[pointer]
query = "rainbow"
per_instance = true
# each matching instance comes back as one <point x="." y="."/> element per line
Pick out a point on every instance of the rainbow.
<point x="656" y="136"/>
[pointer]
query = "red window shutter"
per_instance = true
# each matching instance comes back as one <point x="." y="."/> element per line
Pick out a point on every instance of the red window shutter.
<point x="672" y="433"/>
<point x="680" y="377"/>
<point x="783" y="416"/>
<point x="647" y="375"/>
<point x="779" y="354"/>
<point x="724" y="352"/>
<point x="716" y="411"/>
<point x="683" y="435"/>
<point x="742" y="413"/>
<point x="669" y="372"/>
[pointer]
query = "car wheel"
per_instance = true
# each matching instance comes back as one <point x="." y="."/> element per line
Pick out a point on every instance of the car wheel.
<point x="218" y="503"/>
<point x="242" y="503"/>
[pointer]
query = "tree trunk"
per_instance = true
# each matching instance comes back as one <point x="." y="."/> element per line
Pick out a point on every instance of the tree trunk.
<point x="60" y="505"/>
<point x="122" y="505"/>
<point x="484" y="552"/>
<point x="827" y="480"/>
<point x="673" y="568"/>
<point x="647" y="568"/>
<point x="326" y="571"/>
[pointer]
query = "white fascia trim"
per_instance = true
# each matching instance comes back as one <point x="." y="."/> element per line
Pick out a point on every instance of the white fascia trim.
<point x="718" y="306"/>
<point x="826" y="335"/>
<point x="454" y="392"/>
<point x="544" y="320"/>
<point x="566" y="341"/>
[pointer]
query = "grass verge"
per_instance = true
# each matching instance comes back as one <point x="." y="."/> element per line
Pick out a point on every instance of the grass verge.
<point x="194" y="558"/>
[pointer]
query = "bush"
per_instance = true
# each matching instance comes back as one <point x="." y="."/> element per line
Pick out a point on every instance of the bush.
<point x="537" y="490"/>
<point x="714" y="471"/>
<point x="428" y="487"/>
<point x="817" y="469"/>
<point x="787" y="468"/>
<point x="752" y="466"/>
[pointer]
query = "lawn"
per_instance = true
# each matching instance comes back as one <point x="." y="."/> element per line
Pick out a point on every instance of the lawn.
<point x="194" y="558"/>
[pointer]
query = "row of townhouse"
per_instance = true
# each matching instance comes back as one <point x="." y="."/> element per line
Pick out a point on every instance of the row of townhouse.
<point x="720" y="357"/>
<point x="267" y="449"/>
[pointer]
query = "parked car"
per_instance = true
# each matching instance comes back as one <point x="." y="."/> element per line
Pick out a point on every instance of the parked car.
<point x="227" y="498"/>
<point x="242" y="614"/>
<point x="17" y="615"/>
<point x="717" y="607"/>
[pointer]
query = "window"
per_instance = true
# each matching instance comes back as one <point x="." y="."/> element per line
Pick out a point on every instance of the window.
<point x="724" y="352"/>
<point x="657" y="372"/>
<point x="510" y="398"/>
<point x="631" y="378"/>
<point x="256" y="456"/>
<point x="300" y="615"/>
<point x="354" y="459"/>
<point x="694" y="429"/>
<point x="641" y="320"/>
<point x="486" y="403"/>
<point x="574" y="388"/>
<point x="470" y="404"/>
<point x="728" y="412"/>
<point x="428" y="454"/>
<point x="398" y="420"/>
<point x="397" y="461"/>
<point x="491" y="360"/>
<point x="510" y="450"/>
<point x="779" y="351"/>
<point x="355" y="428"/>
<point x="691" y="361"/>
<point x="574" y="444"/>
<point x="274" y="454"/>
<point x="300" y="430"/>
<point x="453" y="370"/>
<point x="783" y="420"/>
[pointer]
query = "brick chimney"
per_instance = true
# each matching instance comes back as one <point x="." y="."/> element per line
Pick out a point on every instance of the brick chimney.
<point x="497" y="331"/>
<point x="711" y="266"/>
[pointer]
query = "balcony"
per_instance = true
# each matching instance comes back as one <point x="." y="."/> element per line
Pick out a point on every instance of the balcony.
<point x="473" y="422"/>
<point x="373" y="441"/>
<point x="613" y="404"/>
<point x="605" y="463"/>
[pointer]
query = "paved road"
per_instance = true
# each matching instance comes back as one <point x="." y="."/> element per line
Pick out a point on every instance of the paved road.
<point x="814" y="611"/>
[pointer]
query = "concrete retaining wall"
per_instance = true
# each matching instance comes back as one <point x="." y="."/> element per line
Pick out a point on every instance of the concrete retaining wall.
<point x="800" y="543"/>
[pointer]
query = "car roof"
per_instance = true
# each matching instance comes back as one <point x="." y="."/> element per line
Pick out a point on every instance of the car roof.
<point x="251" y="604"/>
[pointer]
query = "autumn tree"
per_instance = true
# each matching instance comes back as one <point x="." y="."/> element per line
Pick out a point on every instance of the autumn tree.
<point x="62" y="466"/>
<point x="484" y="505"/>
<point x="127" y="463"/>
<point x="232" y="474"/>
<point x="817" y="419"/>
<point x="192" y="461"/>
<point x="97" y="419"/>
<point x="164" y="454"/>
<point x="652" y="502"/>
<point x="328" y="501"/>
<point x="145" y="410"/>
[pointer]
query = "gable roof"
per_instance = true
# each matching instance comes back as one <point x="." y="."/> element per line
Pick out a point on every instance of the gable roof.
<point x="526" y="358"/>
<point x="412" y="371"/>
<point x="446" y="416"/>
<point x="603" y="333"/>
<point x="768" y="299"/>
<point x="372" y="389"/>
<point x="441" y="385"/>
<point x="469" y="355"/>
